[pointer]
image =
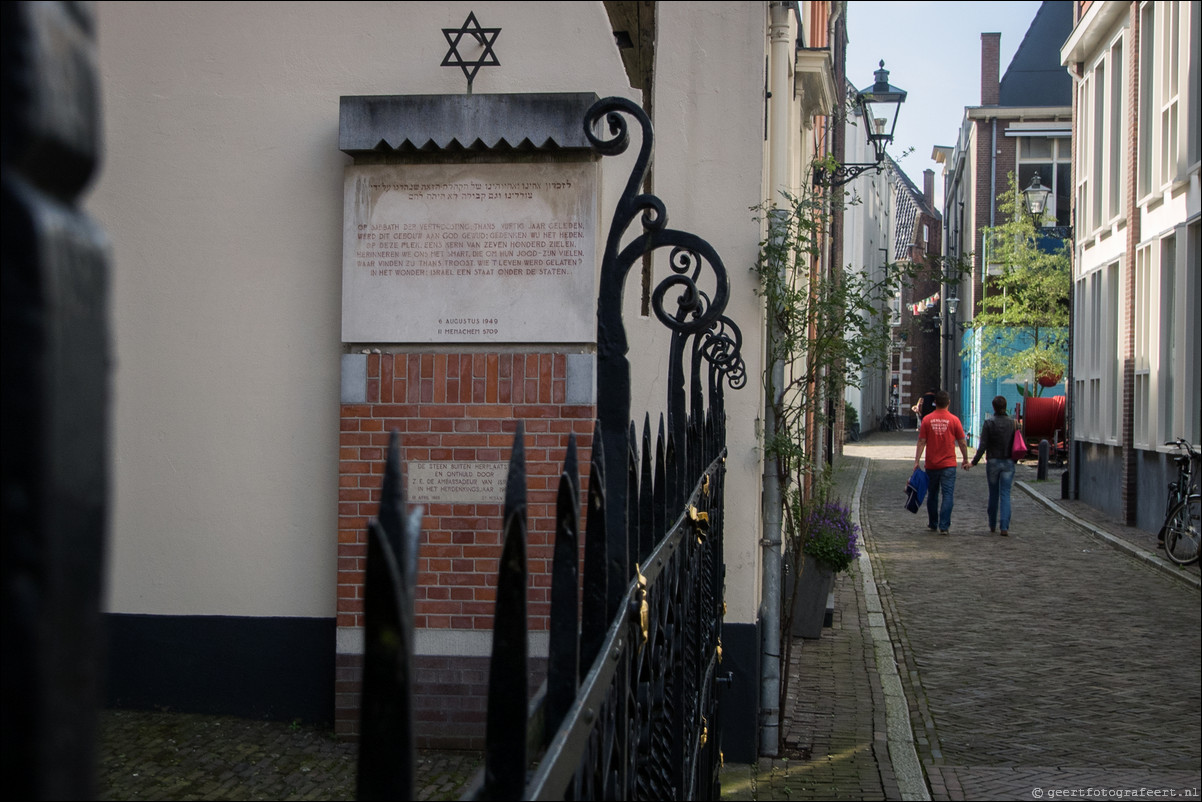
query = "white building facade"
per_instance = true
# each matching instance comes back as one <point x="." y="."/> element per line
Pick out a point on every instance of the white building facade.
<point x="1137" y="265"/>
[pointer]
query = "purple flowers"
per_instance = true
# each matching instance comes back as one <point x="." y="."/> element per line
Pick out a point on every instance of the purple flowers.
<point x="829" y="535"/>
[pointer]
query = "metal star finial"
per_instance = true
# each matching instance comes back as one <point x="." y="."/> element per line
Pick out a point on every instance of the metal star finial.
<point x="484" y="36"/>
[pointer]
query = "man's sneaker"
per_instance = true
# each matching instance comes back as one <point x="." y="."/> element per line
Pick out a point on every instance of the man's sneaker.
<point x="1005" y="533"/>
<point x="943" y="531"/>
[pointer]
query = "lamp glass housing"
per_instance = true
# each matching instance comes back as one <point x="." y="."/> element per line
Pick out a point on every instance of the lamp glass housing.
<point x="881" y="101"/>
<point x="1036" y="198"/>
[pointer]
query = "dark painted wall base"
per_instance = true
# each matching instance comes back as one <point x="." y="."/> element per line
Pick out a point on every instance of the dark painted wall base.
<point x="740" y="701"/>
<point x="1099" y="482"/>
<point x="279" y="669"/>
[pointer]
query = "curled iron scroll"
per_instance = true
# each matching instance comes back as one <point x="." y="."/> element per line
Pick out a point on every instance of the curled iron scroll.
<point x="690" y="254"/>
<point x="722" y="347"/>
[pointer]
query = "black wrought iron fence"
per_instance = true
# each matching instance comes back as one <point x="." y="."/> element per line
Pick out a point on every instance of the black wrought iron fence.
<point x="630" y="706"/>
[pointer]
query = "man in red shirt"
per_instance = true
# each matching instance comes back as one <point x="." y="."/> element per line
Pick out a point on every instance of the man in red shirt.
<point x="939" y="435"/>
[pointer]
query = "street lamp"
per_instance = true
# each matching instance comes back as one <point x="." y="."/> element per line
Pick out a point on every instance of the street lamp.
<point x="881" y="101"/>
<point x="1036" y="198"/>
<point x="949" y="333"/>
<point x="951" y="351"/>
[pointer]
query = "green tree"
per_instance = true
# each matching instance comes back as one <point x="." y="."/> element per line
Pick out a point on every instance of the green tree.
<point x="1026" y="306"/>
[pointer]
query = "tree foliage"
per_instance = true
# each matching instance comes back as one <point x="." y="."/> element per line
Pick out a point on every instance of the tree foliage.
<point x="1026" y="306"/>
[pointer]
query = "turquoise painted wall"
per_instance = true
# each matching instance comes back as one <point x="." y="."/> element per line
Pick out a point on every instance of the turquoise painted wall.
<point x="976" y="399"/>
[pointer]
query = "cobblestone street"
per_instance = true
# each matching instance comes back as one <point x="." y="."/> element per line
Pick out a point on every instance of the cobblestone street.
<point x="1048" y="660"/>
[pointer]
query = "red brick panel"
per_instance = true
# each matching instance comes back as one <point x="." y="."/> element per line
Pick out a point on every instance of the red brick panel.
<point x="457" y="407"/>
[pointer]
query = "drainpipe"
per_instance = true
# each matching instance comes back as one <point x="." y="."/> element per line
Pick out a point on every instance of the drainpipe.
<point x="780" y="95"/>
<point x="993" y="174"/>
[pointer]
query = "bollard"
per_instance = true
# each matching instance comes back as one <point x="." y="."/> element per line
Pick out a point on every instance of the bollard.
<point x="1042" y="471"/>
<point x="1064" y="485"/>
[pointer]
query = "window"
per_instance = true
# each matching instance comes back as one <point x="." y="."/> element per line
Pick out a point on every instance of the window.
<point x="1170" y="58"/>
<point x="1117" y="120"/>
<point x="1145" y="279"/>
<point x="1095" y="358"/>
<point x="1167" y="351"/>
<point x="1101" y="141"/>
<point x="1048" y="156"/>
<point x="1163" y="128"/>
<point x="1147" y="22"/>
<point x="1180" y="327"/>
<point x="1085" y="223"/>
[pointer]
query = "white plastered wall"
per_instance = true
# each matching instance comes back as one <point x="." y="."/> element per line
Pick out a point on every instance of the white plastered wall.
<point x="221" y="190"/>
<point x="709" y="117"/>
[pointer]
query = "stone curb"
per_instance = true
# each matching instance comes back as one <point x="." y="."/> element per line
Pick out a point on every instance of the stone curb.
<point x="903" y="755"/>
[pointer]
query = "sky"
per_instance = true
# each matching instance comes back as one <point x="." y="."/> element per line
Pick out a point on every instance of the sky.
<point x="933" y="51"/>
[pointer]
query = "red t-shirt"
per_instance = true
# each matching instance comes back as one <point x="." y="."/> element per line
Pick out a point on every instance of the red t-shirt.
<point x="942" y="430"/>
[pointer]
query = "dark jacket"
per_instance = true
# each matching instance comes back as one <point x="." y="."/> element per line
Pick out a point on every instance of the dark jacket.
<point x="926" y="404"/>
<point x="997" y="438"/>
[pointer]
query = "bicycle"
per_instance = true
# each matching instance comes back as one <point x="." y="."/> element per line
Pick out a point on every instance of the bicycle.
<point x="891" y="423"/>
<point x="1179" y="534"/>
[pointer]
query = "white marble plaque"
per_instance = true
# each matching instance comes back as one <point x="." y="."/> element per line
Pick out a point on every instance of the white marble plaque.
<point x="456" y="482"/>
<point x="470" y="253"/>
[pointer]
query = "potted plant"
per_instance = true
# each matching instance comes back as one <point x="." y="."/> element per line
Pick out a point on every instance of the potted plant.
<point x="851" y="422"/>
<point x="829" y="544"/>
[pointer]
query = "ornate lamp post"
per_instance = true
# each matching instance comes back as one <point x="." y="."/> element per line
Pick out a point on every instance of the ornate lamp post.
<point x="951" y="349"/>
<point x="881" y="101"/>
<point x="1036" y="197"/>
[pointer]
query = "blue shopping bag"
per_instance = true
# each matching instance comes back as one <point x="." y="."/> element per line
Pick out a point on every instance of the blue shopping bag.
<point x="916" y="490"/>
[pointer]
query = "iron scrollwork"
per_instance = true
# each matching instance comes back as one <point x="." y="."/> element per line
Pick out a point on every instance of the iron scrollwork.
<point x="696" y="312"/>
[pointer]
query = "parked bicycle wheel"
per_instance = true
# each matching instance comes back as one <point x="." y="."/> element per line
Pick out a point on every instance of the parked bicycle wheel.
<point x="1180" y="531"/>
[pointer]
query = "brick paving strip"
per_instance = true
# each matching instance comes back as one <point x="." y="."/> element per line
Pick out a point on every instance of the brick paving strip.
<point x="845" y="729"/>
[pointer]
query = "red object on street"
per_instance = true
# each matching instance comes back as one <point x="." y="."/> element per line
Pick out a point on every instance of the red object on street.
<point x="1045" y="420"/>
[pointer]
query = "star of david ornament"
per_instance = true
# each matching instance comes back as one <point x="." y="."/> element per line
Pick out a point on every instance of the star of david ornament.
<point x="483" y="36"/>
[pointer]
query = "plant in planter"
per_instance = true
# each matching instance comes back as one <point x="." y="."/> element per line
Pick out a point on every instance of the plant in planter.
<point x="830" y="537"/>
<point x="851" y="422"/>
<point x="825" y="542"/>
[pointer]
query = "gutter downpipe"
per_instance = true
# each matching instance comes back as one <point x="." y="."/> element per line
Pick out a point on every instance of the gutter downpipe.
<point x="993" y="175"/>
<point x="780" y="95"/>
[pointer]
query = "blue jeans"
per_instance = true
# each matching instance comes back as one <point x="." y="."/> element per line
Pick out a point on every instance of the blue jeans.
<point x="1000" y="473"/>
<point x="939" y="515"/>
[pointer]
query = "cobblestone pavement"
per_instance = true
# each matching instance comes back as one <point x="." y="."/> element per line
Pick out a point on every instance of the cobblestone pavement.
<point x="1047" y="661"/>
<point x="1064" y="658"/>
<point x="181" y="756"/>
<point x="834" y="733"/>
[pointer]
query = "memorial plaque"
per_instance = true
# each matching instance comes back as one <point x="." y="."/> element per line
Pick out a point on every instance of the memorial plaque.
<point x="456" y="482"/>
<point x="470" y="253"/>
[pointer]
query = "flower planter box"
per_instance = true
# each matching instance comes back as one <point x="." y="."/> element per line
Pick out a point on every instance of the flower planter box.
<point x="812" y="607"/>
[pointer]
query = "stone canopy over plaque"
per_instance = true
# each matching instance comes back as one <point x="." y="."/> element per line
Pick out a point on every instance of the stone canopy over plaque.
<point x="444" y="250"/>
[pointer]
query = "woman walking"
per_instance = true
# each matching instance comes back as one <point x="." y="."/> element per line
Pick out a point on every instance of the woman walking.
<point x="996" y="444"/>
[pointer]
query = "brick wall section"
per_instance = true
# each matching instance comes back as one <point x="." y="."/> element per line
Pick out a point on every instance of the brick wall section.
<point x="991" y="58"/>
<point x="450" y="702"/>
<point x="453" y="407"/>
<point x="1126" y="312"/>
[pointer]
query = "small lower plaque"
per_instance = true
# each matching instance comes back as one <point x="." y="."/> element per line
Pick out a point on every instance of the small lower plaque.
<point x="457" y="482"/>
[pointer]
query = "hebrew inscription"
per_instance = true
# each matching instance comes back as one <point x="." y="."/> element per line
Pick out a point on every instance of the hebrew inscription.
<point x="483" y="253"/>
